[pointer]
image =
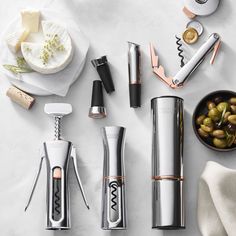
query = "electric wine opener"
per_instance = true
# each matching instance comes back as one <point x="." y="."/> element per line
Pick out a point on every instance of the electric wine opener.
<point x="57" y="154"/>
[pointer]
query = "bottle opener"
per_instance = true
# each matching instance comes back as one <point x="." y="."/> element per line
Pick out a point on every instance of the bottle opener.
<point x="212" y="44"/>
<point x="57" y="154"/>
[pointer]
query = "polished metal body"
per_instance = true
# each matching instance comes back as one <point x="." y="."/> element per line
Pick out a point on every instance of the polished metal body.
<point x="167" y="163"/>
<point x="196" y="60"/>
<point x="58" y="154"/>
<point x="113" y="190"/>
<point x="134" y="63"/>
<point x="212" y="44"/>
<point x="97" y="112"/>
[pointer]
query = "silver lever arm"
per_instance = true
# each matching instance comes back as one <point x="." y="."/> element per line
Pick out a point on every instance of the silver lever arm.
<point x="35" y="183"/>
<point x="73" y="155"/>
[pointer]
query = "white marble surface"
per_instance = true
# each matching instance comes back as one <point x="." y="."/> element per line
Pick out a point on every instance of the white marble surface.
<point x="109" y="24"/>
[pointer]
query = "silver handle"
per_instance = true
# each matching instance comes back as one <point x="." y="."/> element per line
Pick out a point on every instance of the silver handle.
<point x="73" y="156"/>
<point x="196" y="60"/>
<point x="35" y="183"/>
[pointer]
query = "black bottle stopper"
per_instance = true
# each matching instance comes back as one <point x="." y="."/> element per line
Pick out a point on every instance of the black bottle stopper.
<point x="102" y="67"/>
<point x="97" y="109"/>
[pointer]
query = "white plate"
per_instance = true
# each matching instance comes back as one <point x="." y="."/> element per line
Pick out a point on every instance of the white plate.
<point x="39" y="84"/>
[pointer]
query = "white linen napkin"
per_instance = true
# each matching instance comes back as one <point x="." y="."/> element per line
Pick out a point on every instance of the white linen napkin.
<point x="217" y="201"/>
<point x="60" y="82"/>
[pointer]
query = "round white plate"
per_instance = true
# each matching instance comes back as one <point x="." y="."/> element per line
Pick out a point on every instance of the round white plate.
<point x="39" y="84"/>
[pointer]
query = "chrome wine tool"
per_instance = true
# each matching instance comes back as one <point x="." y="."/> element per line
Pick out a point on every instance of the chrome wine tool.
<point x="113" y="191"/>
<point x="57" y="154"/>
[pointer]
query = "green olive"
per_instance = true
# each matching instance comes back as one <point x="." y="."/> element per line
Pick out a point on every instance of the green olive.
<point x="227" y="114"/>
<point x="232" y="100"/>
<point x="233" y="109"/>
<point x="218" y="133"/>
<point x="207" y="128"/>
<point x="200" y="119"/>
<point x="202" y="133"/>
<point x="208" y="122"/>
<point x="214" y="114"/>
<point x="223" y="106"/>
<point x="220" y="143"/>
<point x="210" y="105"/>
<point x="232" y="119"/>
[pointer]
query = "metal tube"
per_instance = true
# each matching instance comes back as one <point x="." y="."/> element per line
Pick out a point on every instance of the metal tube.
<point x="167" y="163"/>
<point x="134" y="75"/>
<point x="113" y="192"/>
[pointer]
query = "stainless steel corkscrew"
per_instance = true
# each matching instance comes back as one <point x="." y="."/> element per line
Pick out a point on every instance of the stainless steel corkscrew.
<point x="57" y="154"/>
<point x="113" y="192"/>
<point x="213" y="43"/>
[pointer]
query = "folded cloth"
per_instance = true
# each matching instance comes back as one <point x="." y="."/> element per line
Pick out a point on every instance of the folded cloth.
<point x="217" y="201"/>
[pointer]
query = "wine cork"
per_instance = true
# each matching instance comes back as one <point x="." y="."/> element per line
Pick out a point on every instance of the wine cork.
<point x="57" y="173"/>
<point x="20" y="97"/>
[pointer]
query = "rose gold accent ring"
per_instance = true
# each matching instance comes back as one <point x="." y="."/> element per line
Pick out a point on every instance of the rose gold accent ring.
<point x="114" y="177"/>
<point x="168" y="177"/>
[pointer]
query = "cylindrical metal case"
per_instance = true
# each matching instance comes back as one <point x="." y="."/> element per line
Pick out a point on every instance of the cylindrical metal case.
<point x="167" y="163"/>
<point x="134" y="75"/>
<point x="113" y="191"/>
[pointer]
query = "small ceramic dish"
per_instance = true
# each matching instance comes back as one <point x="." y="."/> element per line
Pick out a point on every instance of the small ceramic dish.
<point x="201" y="109"/>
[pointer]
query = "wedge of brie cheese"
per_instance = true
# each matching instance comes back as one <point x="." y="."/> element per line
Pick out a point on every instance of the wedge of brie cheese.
<point x="15" y="39"/>
<point x="52" y="55"/>
<point x="30" y="20"/>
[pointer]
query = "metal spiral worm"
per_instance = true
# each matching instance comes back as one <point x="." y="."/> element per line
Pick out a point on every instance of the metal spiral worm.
<point x="180" y="50"/>
<point x="57" y="198"/>
<point x="113" y="185"/>
<point x="57" y="128"/>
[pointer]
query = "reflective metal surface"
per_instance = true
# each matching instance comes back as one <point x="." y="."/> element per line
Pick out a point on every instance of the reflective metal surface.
<point x="57" y="154"/>
<point x="167" y="163"/>
<point x="113" y="192"/>
<point x="97" y="112"/>
<point x="134" y="63"/>
<point x="196" y="60"/>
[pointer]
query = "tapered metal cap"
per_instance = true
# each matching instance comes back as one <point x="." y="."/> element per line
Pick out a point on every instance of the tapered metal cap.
<point x="102" y="67"/>
<point x="97" y="109"/>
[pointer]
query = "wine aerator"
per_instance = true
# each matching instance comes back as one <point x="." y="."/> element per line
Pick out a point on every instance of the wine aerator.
<point x="57" y="154"/>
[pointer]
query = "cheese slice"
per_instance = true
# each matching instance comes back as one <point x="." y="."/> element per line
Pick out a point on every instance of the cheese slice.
<point x="34" y="52"/>
<point x="15" y="39"/>
<point x="30" y="20"/>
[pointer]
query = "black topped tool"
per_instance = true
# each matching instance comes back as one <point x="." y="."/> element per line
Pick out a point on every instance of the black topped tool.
<point x="102" y="67"/>
<point x="97" y="109"/>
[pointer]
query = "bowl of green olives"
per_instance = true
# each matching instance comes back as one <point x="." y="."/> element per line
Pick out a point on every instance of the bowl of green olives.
<point x="214" y="120"/>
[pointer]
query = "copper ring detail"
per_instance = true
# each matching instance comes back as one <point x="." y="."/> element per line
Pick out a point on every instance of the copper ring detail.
<point x="168" y="177"/>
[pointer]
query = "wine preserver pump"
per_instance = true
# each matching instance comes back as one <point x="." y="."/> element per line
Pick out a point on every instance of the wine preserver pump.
<point x="57" y="154"/>
<point x="167" y="163"/>
<point x="113" y="190"/>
